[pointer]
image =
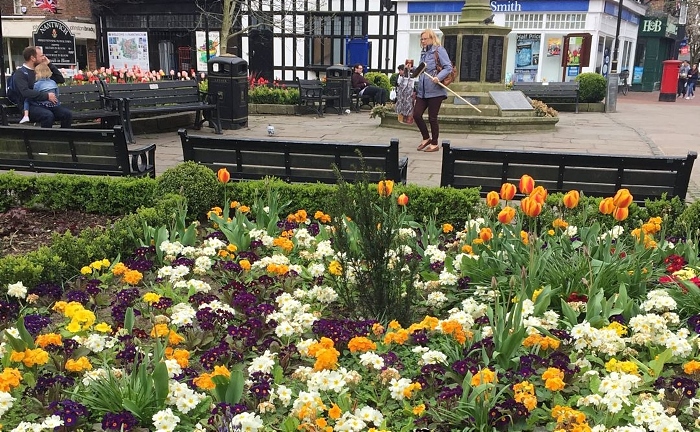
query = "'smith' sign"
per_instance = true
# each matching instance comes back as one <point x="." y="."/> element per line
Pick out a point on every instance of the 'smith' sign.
<point x="57" y="41"/>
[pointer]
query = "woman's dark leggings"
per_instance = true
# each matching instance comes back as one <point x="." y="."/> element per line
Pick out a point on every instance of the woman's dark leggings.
<point x="433" y="107"/>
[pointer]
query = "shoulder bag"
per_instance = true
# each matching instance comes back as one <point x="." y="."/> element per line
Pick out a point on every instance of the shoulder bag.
<point x="449" y="78"/>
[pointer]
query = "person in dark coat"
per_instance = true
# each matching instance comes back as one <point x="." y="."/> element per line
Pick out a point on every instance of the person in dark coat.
<point x="365" y="89"/>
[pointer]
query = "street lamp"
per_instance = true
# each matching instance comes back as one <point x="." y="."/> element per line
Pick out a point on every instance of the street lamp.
<point x="616" y="51"/>
<point x="2" y="59"/>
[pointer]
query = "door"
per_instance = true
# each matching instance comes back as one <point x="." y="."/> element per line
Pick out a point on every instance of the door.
<point x="261" y="51"/>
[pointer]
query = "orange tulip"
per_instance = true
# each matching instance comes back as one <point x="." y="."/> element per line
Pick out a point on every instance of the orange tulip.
<point x="402" y="200"/>
<point x="506" y="215"/>
<point x="530" y="207"/>
<point x="485" y="234"/>
<point x="606" y="206"/>
<point x="620" y="213"/>
<point x="539" y="194"/>
<point x="223" y="175"/>
<point x="623" y="198"/>
<point x="492" y="199"/>
<point x="526" y="185"/>
<point x="385" y="187"/>
<point x="507" y="191"/>
<point x="571" y="199"/>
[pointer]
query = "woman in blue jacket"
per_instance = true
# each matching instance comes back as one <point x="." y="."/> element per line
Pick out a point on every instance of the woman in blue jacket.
<point x="430" y="94"/>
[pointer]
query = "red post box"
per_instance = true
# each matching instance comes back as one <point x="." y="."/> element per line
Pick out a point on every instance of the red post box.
<point x="669" y="80"/>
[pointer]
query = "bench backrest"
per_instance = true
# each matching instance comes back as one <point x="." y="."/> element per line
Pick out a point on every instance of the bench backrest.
<point x="155" y="93"/>
<point x="73" y="151"/>
<point x="309" y="88"/>
<point x="594" y="175"/>
<point x="565" y="89"/>
<point x="299" y="162"/>
<point x="81" y="97"/>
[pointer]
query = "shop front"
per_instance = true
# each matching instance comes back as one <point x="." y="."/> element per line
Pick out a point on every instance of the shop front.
<point x="657" y="37"/>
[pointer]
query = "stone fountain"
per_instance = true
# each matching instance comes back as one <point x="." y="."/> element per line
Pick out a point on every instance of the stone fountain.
<point x="478" y="48"/>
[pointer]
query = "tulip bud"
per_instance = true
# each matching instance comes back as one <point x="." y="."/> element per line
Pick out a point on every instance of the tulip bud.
<point x="492" y="199"/>
<point x="485" y="234"/>
<point x="606" y="206"/>
<point x="506" y="215"/>
<point x="620" y="213"/>
<point x="402" y="200"/>
<point x="571" y="199"/>
<point x="385" y="187"/>
<point x="223" y="175"/>
<point x="539" y="194"/>
<point x="507" y="191"/>
<point x="526" y="185"/>
<point x="623" y="198"/>
<point x="530" y="207"/>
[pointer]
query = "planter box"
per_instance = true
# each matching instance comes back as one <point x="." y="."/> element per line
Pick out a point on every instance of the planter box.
<point x="272" y="109"/>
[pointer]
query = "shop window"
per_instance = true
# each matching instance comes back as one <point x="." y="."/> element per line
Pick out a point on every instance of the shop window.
<point x="433" y="21"/>
<point x="626" y="53"/>
<point x="562" y="21"/>
<point x="326" y="37"/>
<point x="126" y="21"/>
<point x="18" y="7"/>
<point x="524" y="21"/>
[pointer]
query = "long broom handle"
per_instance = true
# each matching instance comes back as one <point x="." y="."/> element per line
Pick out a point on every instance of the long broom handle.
<point x="421" y="69"/>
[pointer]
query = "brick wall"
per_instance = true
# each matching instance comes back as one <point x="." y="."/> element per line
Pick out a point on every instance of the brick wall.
<point x="73" y="10"/>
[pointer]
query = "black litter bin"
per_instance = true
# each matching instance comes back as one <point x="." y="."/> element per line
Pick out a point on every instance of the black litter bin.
<point x="228" y="79"/>
<point x="339" y="82"/>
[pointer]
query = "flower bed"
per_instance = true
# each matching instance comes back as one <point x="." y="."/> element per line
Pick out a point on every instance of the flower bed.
<point x="358" y="317"/>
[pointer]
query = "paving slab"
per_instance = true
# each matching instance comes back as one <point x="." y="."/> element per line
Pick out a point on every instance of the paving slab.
<point x="641" y="126"/>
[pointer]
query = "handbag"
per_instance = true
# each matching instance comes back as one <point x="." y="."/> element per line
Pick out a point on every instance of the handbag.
<point x="452" y="75"/>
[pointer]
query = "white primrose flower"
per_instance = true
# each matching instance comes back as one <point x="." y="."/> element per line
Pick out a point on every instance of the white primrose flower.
<point x="263" y="363"/>
<point x="369" y="415"/>
<point x="284" y="394"/>
<point x="436" y="299"/>
<point x="373" y="360"/>
<point x="17" y="290"/>
<point x="6" y="402"/>
<point x="433" y="357"/>
<point x="165" y="421"/>
<point x="435" y="254"/>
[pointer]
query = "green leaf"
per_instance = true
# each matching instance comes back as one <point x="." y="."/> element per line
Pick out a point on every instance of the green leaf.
<point x="569" y="312"/>
<point x="129" y="320"/>
<point x="235" y="387"/>
<point x="160" y="382"/>
<point x="657" y="365"/>
<point x="24" y="334"/>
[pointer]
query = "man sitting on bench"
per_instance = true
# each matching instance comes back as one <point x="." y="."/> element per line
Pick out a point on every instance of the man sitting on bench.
<point x="365" y="89"/>
<point x="23" y="83"/>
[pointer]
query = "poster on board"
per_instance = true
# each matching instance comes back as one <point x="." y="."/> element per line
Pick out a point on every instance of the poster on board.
<point x="527" y="57"/>
<point x="128" y="49"/>
<point x="553" y="47"/>
<point x="214" y="48"/>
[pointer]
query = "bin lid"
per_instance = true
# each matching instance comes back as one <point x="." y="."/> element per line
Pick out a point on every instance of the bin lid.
<point x="339" y="68"/>
<point x="227" y="59"/>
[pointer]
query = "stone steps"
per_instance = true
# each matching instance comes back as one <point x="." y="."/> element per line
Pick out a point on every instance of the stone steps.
<point x="483" y="124"/>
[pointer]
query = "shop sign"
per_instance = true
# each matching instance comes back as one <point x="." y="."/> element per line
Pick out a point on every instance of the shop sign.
<point x="651" y="26"/>
<point x="57" y="41"/>
<point x="527" y="57"/>
<point x="637" y="74"/>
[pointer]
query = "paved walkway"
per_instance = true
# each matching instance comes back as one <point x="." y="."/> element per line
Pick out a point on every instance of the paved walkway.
<point x="641" y="126"/>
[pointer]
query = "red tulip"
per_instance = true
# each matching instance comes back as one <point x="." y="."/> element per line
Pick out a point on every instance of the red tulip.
<point x="507" y="191"/>
<point x="539" y="194"/>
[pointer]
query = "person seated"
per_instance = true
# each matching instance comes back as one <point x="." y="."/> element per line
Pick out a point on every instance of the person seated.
<point x="366" y="90"/>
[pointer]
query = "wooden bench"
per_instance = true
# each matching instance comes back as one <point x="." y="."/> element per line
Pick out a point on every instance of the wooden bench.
<point x="313" y="95"/>
<point x="596" y="175"/>
<point x="85" y="101"/>
<point x="73" y="151"/>
<point x="294" y="162"/>
<point x="164" y="97"/>
<point x="553" y="90"/>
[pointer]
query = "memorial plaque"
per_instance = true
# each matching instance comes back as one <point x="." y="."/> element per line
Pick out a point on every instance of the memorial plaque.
<point x="510" y="100"/>
<point x="494" y="59"/>
<point x="470" y="64"/>
<point x="450" y="45"/>
<point x="57" y="41"/>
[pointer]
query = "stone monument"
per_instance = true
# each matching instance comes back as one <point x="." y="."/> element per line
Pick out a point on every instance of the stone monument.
<point x="478" y="48"/>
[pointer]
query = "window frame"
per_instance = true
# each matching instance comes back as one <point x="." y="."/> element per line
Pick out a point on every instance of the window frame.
<point x="330" y="36"/>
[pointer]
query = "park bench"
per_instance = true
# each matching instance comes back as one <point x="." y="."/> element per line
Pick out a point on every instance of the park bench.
<point x="313" y="95"/>
<point x="294" y="162"/>
<point x="164" y="97"/>
<point x="597" y="175"/>
<point x="550" y="90"/>
<point x="85" y="101"/>
<point x="74" y="151"/>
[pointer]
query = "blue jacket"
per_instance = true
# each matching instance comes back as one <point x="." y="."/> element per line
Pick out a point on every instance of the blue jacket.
<point x="426" y="87"/>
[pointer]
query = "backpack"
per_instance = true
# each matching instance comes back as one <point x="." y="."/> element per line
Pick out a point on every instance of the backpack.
<point x="12" y="94"/>
<point x="449" y="78"/>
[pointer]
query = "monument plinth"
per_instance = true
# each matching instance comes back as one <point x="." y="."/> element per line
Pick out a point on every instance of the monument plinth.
<point x="478" y="49"/>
